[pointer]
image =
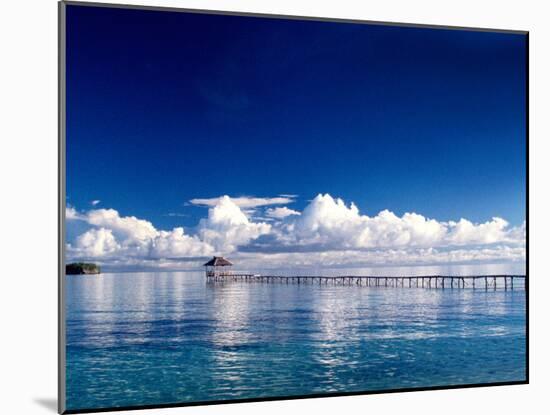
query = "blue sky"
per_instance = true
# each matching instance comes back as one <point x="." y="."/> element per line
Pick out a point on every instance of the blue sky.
<point x="166" y="107"/>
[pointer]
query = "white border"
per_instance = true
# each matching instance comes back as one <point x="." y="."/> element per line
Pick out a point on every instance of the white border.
<point x="28" y="168"/>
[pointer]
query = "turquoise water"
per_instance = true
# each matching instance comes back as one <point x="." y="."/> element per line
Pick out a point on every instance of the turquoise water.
<point x="158" y="338"/>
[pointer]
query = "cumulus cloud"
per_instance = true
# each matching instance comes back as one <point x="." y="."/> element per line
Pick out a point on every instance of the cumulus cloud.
<point x="329" y="223"/>
<point x="129" y="228"/>
<point x="96" y="243"/>
<point x="72" y="214"/>
<point x="332" y="232"/>
<point x="175" y="244"/>
<point x="245" y="201"/>
<point x="112" y="235"/>
<point x="227" y="226"/>
<point x="465" y="232"/>
<point x="519" y="233"/>
<point x="280" y="212"/>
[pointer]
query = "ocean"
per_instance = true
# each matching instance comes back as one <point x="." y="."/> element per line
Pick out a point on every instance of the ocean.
<point x="170" y="337"/>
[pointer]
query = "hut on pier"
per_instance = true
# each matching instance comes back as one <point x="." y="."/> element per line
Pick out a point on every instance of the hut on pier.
<point x="218" y="267"/>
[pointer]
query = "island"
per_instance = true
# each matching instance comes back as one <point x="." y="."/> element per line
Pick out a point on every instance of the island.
<point x="80" y="268"/>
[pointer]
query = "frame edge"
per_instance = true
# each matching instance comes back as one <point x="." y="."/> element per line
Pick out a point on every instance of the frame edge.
<point x="290" y="17"/>
<point x="61" y="52"/>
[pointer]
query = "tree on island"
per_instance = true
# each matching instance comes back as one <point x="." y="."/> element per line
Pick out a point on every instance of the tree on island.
<point x="78" y="268"/>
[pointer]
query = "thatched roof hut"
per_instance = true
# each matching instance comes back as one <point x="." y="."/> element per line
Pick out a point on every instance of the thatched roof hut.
<point x="218" y="261"/>
<point x="216" y="267"/>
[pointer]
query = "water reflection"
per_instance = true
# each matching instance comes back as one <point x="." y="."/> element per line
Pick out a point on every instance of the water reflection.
<point x="145" y="338"/>
<point x="419" y="270"/>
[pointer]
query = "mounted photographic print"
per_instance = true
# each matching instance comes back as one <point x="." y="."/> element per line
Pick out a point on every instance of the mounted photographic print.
<point x="259" y="207"/>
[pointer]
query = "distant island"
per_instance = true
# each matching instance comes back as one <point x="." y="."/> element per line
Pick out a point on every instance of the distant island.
<point x="79" y="268"/>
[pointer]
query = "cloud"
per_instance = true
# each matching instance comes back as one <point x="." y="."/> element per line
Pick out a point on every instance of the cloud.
<point x="175" y="244"/>
<point x="315" y="261"/>
<point x="280" y="212"/>
<point x="518" y="233"/>
<point x="95" y="202"/>
<point x="328" y="232"/>
<point x="227" y="226"/>
<point x="245" y="201"/>
<point x="111" y="234"/>
<point x="328" y="223"/>
<point x="96" y="243"/>
<point x="72" y="214"/>
<point x="128" y="227"/>
<point x="465" y="232"/>
<point x="124" y="237"/>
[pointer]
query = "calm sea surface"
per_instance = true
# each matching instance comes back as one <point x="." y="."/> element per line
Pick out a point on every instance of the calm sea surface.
<point x="156" y="338"/>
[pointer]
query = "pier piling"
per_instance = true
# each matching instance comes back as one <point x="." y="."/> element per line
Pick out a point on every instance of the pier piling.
<point x="505" y="282"/>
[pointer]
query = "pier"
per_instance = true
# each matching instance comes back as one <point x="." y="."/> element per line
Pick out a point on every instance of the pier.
<point x="506" y="282"/>
<point x="218" y="270"/>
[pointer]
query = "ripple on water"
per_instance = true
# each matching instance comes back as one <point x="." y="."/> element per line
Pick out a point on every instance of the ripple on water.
<point x="154" y="338"/>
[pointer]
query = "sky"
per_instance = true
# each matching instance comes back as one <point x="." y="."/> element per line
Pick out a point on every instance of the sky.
<point x="191" y="135"/>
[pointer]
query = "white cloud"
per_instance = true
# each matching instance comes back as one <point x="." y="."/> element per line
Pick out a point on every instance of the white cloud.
<point x="227" y="226"/>
<point x="519" y="233"/>
<point x="280" y="212"/>
<point x="175" y="215"/>
<point x="72" y="214"/>
<point x="175" y="244"/>
<point x="127" y="228"/>
<point x="331" y="232"/>
<point x="315" y="261"/>
<point x="330" y="224"/>
<point x="465" y="232"/>
<point x="245" y="201"/>
<point x="129" y="237"/>
<point x="95" y="202"/>
<point x="96" y="243"/>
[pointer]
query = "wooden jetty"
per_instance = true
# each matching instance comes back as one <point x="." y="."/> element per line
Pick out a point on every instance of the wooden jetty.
<point x="427" y="281"/>
<point x="217" y="271"/>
